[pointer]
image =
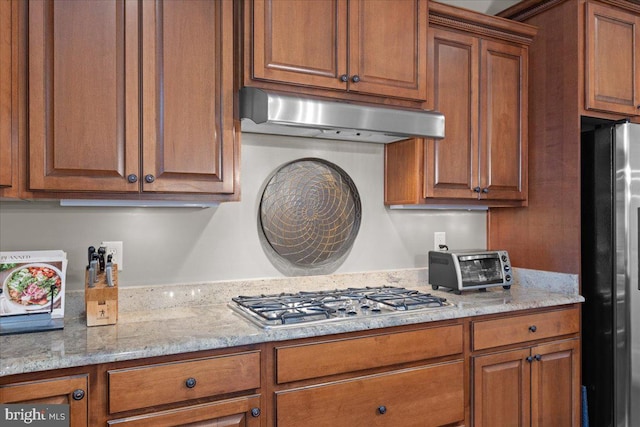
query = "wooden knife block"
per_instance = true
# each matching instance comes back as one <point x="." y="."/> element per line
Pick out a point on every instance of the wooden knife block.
<point x="101" y="301"/>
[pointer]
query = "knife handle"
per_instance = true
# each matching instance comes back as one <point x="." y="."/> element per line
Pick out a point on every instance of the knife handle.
<point x="91" y="251"/>
<point x="109" y="274"/>
<point x="101" y="253"/>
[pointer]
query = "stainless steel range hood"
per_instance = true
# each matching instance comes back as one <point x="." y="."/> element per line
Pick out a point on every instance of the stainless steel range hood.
<point x="267" y="112"/>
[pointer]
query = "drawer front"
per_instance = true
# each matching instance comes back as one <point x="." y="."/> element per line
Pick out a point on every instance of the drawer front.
<point x="420" y="397"/>
<point x="521" y="329"/>
<point x="227" y="413"/>
<point x="316" y="360"/>
<point x="141" y="387"/>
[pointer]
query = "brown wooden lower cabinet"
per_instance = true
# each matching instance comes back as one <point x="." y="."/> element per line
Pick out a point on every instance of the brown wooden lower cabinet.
<point x="533" y="386"/>
<point x="400" y="398"/>
<point x="490" y="371"/>
<point x="70" y="390"/>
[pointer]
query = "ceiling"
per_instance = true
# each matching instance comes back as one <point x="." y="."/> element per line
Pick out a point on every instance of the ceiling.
<point x="490" y="7"/>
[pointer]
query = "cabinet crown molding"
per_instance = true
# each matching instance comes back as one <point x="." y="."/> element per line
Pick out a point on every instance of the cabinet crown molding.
<point x="471" y="22"/>
<point x="529" y="8"/>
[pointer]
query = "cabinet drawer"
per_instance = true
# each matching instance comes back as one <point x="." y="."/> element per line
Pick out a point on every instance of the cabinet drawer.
<point x="299" y="362"/>
<point x="141" y="387"/>
<point x="420" y="397"/>
<point x="520" y="329"/>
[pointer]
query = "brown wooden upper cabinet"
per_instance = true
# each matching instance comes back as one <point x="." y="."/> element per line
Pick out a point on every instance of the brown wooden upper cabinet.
<point x="374" y="47"/>
<point x="6" y="104"/>
<point x="130" y="97"/>
<point x="478" y="77"/>
<point x="612" y="60"/>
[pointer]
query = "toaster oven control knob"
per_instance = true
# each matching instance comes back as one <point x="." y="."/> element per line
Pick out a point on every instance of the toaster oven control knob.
<point x="508" y="277"/>
<point x="190" y="382"/>
<point x="533" y="328"/>
<point x="506" y="267"/>
<point x="504" y="258"/>
<point x="382" y="410"/>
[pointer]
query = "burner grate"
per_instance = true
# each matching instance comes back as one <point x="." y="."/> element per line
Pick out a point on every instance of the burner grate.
<point x="316" y="306"/>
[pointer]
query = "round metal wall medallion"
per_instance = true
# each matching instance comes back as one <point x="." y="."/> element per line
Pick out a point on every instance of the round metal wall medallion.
<point x="309" y="216"/>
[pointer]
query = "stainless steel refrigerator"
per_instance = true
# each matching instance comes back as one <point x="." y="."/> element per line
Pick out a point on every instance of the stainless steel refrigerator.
<point x="610" y="233"/>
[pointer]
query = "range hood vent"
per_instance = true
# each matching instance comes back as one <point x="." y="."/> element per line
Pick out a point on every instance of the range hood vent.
<point x="267" y="112"/>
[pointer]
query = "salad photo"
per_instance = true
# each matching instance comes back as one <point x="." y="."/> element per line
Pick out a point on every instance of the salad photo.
<point x="32" y="282"/>
<point x="33" y="285"/>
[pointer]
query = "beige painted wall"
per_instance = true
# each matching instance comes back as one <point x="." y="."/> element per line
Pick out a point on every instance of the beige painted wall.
<point x="177" y="245"/>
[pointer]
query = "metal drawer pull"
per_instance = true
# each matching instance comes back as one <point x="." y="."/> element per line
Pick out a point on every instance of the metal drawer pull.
<point x="78" y="394"/>
<point x="190" y="382"/>
<point x="533" y="328"/>
<point x="382" y="410"/>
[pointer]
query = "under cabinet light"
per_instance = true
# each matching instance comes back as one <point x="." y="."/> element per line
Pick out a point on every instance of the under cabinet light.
<point x="136" y="203"/>
<point x="441" y="207"/>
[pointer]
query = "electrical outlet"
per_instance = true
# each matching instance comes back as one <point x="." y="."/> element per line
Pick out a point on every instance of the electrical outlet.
<point x="439" y="238"/>
<point x="115" y="249"/>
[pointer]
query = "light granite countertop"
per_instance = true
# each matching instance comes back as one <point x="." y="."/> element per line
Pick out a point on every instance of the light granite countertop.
<point x="173" y="319"/>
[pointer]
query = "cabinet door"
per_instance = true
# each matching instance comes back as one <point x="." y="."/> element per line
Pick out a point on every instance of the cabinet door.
<point x="388" y="48"/>
<point x="451" y="169"/>
<point x="83" y="95"/>
<point x="501" y="389"/>
<point x="421" y="397"/>
<point x="6" y="67"/>
<point x="612" y="60"/>
<point x="300" y="42"/>
<point x="70" y="391"/>
<point x="187" y="82"/>
<point x="240" y="412"/>
<point x="503" y="114"/>
<point x="555" y="385"/>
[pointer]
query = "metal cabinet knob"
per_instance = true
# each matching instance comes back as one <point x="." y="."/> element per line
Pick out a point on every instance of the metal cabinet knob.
<point x="132" y="178"/>
<point x="476" y="189"/>
<point x="344" y="78"/>
<point x="78" y="394"/>
<point x="533" y="328"/>
<point x="190" y="382"/>
<point x="529" y="359"/>
<point x="355" y="78"/>
<point x="537" y="357"/>
<point x="255" y="412"/>
<point x="485" y="190"/>
<point x="149" y="178"/>
<point x="382" y="410"/>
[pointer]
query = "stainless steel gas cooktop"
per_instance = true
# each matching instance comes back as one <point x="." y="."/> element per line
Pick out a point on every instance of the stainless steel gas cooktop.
<point x="321" y="306"/>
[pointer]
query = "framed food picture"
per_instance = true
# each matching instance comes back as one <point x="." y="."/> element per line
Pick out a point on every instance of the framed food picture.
<point x="33" y="282"/>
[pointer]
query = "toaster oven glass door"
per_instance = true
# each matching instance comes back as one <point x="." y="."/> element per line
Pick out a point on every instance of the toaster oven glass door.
<point x="480" y="270"/>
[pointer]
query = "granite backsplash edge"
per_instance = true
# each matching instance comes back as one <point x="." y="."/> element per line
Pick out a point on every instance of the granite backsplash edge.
<point x="164" y="296"/>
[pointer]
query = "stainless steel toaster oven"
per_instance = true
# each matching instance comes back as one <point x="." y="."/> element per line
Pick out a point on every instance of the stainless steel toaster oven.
<point x="469" y="269"/>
